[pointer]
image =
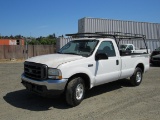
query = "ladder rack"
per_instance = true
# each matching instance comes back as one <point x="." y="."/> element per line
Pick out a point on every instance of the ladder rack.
<point x="118" y="36"/>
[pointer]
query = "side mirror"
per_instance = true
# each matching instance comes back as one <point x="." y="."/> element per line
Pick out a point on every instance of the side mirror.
<point x="101" y="56"/>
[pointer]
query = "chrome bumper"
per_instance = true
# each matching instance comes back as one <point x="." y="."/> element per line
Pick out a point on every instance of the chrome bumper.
<point x="50" y="84"/>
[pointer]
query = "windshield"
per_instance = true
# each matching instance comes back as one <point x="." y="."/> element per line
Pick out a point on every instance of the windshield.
<point x="79" y="47"/>
<point x="122" y="47"/>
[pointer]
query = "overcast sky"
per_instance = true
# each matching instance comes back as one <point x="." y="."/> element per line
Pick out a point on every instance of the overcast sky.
<point x="43" y="17"/>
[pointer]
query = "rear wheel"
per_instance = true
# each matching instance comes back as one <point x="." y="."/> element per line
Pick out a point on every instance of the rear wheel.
<point x="136" y="78"/>
<point x="75" y="91"/>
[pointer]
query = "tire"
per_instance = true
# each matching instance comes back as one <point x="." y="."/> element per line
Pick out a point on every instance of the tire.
<point x="136" y="78"/>
<point x="75" y="91"/>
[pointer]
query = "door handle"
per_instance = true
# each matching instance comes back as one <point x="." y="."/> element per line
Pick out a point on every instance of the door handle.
<point x="117" y="62"/>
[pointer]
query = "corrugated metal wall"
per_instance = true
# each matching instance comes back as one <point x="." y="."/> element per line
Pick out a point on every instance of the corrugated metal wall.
<point x="151" y="30"/>
<point x="152" y="44"/>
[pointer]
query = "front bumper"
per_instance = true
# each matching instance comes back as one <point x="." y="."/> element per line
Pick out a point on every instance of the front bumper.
<point x="155" y="61"/>
<point x="44" y="87"/>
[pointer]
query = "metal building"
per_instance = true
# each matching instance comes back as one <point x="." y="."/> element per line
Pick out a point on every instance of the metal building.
<point x="151" y="30"/>
<point x="11" y="42"/>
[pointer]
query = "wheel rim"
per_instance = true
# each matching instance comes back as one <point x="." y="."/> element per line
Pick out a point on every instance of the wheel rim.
<point x="138" y="77"/>
<point x="79" y="91"/>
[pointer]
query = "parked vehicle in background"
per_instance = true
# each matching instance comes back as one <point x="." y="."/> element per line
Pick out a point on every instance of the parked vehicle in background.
<point x="155" y="57"/>
<point x="133" y="49"/>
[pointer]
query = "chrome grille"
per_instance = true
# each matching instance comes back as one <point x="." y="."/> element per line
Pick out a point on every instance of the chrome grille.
<point x="35" y="70"/>
<point x="156" y="58"/>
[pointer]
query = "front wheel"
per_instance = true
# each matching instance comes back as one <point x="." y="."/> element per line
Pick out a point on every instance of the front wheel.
<point x="136" y="78"/>
<point x="75" y="91"/>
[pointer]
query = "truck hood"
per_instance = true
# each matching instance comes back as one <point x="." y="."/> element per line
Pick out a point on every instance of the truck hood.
<point x="54" y="60"/>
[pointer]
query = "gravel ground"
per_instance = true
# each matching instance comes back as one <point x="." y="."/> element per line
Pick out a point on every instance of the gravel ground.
<point x="112" y="101"/>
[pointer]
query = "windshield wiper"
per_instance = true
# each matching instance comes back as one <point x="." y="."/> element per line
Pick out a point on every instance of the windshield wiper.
<point x="71" y="53"/>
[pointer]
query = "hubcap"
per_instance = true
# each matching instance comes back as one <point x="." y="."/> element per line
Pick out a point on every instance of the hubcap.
<point x="138" y="77"/>
<point x="79" y="91"/>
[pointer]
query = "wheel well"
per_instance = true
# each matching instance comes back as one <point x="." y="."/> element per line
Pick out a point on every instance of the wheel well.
<point x="140" y="65"/>
<point x="84" y="76"/>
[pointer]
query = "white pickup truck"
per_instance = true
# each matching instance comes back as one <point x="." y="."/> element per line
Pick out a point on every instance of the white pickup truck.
<point x="79" y="66"/>
<point x="133" y="49"/>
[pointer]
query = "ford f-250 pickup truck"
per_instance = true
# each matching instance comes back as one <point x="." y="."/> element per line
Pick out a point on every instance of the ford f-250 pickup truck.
<point x="80" y="65"/>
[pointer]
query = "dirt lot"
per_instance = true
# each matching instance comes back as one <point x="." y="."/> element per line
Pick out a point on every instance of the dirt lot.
<point x="113" y="101"/>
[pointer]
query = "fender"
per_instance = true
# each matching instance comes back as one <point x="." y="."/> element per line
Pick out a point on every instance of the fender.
<point x="67" y="73"/>
<point x="79" y="66"/>
<point x="140" y="61"/>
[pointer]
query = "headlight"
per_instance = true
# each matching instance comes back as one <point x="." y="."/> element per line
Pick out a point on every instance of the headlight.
<point x="54" y="73"/>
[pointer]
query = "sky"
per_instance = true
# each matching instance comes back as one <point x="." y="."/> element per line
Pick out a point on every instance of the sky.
<point x="37" y="18"/>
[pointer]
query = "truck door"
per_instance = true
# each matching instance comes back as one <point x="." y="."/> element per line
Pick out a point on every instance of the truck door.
<point x="109" y="69"/>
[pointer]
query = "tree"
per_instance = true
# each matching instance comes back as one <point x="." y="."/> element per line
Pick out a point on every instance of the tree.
<point x="43" y="42"/>
<point x="49" y="40"/>
<point x="50" y="37"/>
<point x="6" y="37"/>
<point x="33" y="42"/>
<point x="11" y="37"/>
<point x="18" y="37"/>
<point x="54" y="35"/>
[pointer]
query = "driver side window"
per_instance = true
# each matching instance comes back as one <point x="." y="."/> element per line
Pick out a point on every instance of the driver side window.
<point x="107" y="47"/>
<point x="130" y="47"/>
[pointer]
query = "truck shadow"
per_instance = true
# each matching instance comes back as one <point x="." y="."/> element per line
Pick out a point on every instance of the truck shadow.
<point x="26" y="100"/>
<point x="108" y="87"/>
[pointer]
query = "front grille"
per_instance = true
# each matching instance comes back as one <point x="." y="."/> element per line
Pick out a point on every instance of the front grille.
<point x="35" y="70"/>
